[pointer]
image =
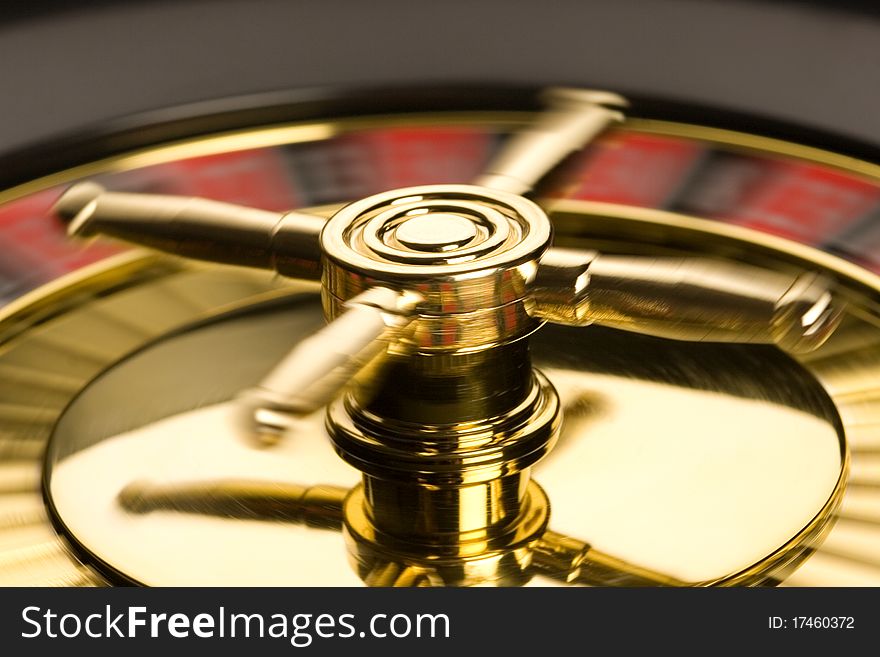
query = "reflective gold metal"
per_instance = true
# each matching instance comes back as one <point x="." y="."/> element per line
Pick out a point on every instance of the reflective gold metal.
<point x="352" y="350"/>
<point x="572" y="119"/>
<point x="314" y="506"/>
<point x="302" y="458"/>
<point x="474" y="294"/>
<point x="495" y="505"/>
<point x="686" y="299"/>
<point x="198" y="228"/>
<point x="493" y="556"/>
<point x="573" y="561"/>
<point x="299" y="440"/>
<point x="429" y="286"/>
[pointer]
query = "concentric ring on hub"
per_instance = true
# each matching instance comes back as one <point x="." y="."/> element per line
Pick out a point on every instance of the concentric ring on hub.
<point x="505" y="231"/>
<point x="440" y="232"/>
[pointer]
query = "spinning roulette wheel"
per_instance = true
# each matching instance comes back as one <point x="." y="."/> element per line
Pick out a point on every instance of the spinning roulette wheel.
<point x="572" y="340"/>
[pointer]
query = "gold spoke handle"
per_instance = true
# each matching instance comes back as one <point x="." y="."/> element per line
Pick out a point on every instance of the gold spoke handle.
<point x="685" y="298"/>
<point x="198" y="228"/>
<point x="573" y="118"/>
<point x="320" y="366"/>
<point x="576" y="562"/>
<point x="314" y="506"/>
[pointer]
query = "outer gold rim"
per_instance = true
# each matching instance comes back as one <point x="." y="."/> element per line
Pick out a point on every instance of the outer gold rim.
<point x="58" y="296"/>
<point x="746" y="142"/>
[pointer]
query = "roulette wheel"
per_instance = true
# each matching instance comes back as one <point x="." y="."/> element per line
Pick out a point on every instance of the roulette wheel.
<point x="576" y="337"/>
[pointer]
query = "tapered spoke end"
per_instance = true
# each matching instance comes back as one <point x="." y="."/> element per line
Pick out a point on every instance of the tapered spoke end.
<point x="76" y="205"/>
<point x="262" y="421"/>
<point x="807" y="314"/>
<point x="556" y="96"/>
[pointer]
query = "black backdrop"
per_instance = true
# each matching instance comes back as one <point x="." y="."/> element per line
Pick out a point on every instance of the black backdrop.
<point x="66" y="66"/>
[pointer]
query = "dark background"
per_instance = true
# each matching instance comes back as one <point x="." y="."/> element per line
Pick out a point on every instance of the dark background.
<point x="64" y="66"/>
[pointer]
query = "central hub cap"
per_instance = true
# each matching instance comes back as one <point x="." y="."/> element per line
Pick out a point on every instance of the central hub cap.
<point x="470" y="252"/>
<point x="437" y="231"/>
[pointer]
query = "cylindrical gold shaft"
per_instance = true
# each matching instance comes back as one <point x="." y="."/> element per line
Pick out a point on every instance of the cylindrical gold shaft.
<point x="198" y="228"/>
